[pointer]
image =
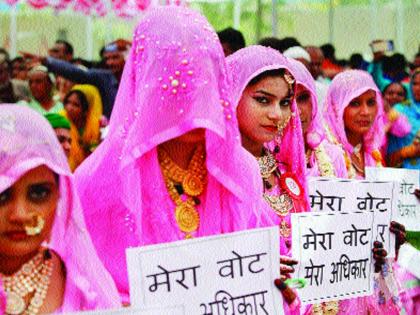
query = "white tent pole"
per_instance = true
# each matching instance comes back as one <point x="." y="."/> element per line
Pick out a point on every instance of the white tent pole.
<point x="237" y="14"/>
<point x="13" y="31"/>
<point x="274" y="18"/>
<point x="400" y="26"/>
<point x="89" y="37"/>
<point x="374" y="19"/>
<point x="331" y="21"/>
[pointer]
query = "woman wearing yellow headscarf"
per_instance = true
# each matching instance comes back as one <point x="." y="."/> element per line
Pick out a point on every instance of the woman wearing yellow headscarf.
<point x="83" y="108"/>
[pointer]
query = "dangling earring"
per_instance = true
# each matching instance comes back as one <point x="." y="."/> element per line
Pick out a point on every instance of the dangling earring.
<point x="37" y="229"/>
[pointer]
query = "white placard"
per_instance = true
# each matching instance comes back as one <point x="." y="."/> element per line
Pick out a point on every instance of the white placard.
<point x="169" y="310"/>
<point x="224" y="274"/>
<point x="339" y="195"/>
<point x="408" y="207"/>
<point x="409" y="258"/>
<point x="334" y="254"/>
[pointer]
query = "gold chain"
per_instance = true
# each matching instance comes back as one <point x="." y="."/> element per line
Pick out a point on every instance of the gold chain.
<point x="193" y="182"/>
<point x="33" y="278"/>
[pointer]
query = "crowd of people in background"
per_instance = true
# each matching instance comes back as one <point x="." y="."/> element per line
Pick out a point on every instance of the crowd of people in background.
<point x="181" y="102"/>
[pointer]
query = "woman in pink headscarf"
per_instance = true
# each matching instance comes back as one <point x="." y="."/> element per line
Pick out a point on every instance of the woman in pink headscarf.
<point x="263" y="94"/>
<point x="47" y="261"/>
<point x="355" y="117"/>
<point x="323" y="158"/>
<point x="172" y="166"/>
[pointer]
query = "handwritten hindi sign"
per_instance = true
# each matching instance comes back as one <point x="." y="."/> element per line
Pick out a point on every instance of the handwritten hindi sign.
<point x="408" y="207"/>
<point x="169" y="310"/>
<point x="224" y="274"/>
<point x="334" y="254"/>
<point x="338" y="195"/>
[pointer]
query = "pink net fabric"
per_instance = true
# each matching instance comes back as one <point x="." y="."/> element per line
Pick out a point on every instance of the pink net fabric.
<point x="175" y="80"/>
<point x="28" y="141"/>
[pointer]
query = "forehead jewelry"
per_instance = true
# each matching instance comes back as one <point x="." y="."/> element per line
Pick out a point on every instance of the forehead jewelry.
<point x="37" y="229"/>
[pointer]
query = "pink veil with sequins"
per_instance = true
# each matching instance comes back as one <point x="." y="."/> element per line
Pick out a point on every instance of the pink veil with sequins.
<point x="246" y="64"/>
<point x="174" y="81"/>
<point x="345" y="87"/>
<point x="28" y="141"/>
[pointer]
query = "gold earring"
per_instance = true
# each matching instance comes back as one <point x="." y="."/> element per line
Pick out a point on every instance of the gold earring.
<point x="37" y="229"/>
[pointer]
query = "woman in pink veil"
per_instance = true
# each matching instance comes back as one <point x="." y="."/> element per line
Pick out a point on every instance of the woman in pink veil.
<point x="172" y="166"/>
<point x="263" y="95"/>
<point x="361" y="149"/>
<point x="355" y="118"/>
<point x="57" y="243"/>
<point x="323" y="158"/>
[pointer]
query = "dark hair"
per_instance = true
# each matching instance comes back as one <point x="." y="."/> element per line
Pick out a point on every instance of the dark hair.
<point x="289" y="42"/>
<point x="233" y="37"/>
<point x="272" y="42"/>
<point x="398" y="83"/>
<point x="356" y="61"/>
<point x="5" y="53"/>
<point x="329" y="51"/>
<point x="67" y="45"/>
<point x="82" y="98"/>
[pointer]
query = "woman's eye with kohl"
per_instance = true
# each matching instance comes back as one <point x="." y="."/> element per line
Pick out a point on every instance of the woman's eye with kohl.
<point x="372" y="102"/>
<point x="302" y="98"/>
<point x="5" y="196"/>
<point x="354" y="103"/>
<point x="285" y="102"/>
<point x="262" y="99"/>
<point x="39" y="192"/>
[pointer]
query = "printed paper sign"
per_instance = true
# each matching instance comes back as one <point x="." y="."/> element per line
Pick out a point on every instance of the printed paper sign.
<point x="408" y="207"/>
<point x="334" y="254"/>
<point x="175" y="310"/>
<point x="224" y="274"/>
<point x="338" y="195"/>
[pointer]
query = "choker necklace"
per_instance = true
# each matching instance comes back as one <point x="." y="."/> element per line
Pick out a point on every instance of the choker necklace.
<point x="31" y="280"/>
<point x="184" y="187"/>
<point x="267" y="164"/>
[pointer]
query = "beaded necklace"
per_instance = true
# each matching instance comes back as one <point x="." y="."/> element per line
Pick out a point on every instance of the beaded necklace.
<point x="31" y="280"/>
<point x="184" y="187"/>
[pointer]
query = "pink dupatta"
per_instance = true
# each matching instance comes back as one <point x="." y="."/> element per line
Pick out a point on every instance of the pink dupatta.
<point x="174" y="81"/>
<point x="28" y="141"/>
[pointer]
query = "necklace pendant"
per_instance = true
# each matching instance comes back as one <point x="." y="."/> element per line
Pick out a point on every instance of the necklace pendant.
<point x="285" y="229"/>
<point x="192" y="184"/>
<point x="15" y="304"/>
<point x="187" y="217"/>
<point x="280" y="204"/>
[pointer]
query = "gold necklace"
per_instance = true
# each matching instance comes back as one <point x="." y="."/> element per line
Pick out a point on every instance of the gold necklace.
<point x="184" y="186"/>
<point x="267" y="164"/>
<point x="32" y="279"/>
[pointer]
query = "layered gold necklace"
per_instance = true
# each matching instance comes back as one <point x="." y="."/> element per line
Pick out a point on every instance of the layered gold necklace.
<point x="30" y="281"/>
<point x="184" y="187"/>
<point x="281" y="204"/>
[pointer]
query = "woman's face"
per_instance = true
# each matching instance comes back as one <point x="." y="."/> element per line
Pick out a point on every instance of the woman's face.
<point x="304" y="103"/>
<point x="263" y="106"/>
<point x="360" y="114"/>
<point x="36" y="193"/>
<point x="73" y="107"/>
<point x="415" y="83"/>
<point x="394" y="94"/>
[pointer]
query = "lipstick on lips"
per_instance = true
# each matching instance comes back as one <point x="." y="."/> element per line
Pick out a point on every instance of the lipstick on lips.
<point x="270" y="128"/>
<point x="16" y="235"/>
